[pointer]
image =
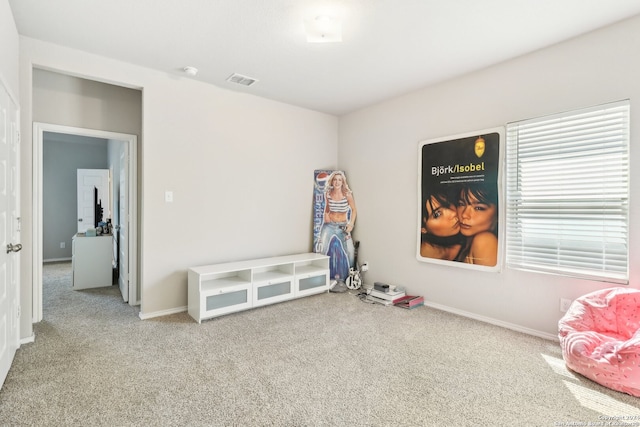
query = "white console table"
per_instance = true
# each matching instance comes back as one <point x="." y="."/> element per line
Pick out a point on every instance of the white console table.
<point x="215" y="290"/>
<point x="91" y="260"/>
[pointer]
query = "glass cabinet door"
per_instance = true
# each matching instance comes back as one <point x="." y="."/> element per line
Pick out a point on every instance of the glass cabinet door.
<point x="308" y="285"/>
<point x="272" y="292"/>
<point x="226" y="302"/>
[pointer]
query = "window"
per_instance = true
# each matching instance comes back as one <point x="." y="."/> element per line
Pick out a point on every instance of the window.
<point x="568" y="193"/>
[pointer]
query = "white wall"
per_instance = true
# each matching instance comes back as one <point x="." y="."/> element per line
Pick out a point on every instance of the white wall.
<point x="240" y="167"/>
<point x="9" y="49"/>
<point x="76" y="102"/>
<point x="241" y="172"/>
<point x="379" y="150"/>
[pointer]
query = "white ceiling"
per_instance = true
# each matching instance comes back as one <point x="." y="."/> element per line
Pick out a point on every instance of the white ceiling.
<point x="390" y="47"/>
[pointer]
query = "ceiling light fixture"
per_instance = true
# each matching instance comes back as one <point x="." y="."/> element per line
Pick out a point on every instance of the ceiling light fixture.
<point x="323" y="29"/>
<point x="192" y="71"/>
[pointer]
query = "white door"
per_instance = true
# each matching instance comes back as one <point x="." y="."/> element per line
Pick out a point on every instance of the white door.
<point x="9" y="233"/>
<point x="87" y="180"/>
<point x="123" y="226"/>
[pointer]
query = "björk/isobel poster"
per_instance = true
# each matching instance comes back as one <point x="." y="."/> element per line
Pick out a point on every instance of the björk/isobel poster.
<point x="459" y="200"/>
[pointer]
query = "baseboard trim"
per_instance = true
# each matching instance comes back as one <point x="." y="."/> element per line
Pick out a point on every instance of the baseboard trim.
<point x="55" y="260"/>
<point x="493" y="321"/>
<point x="28" y="340"/>
<point x="145" y="316"/>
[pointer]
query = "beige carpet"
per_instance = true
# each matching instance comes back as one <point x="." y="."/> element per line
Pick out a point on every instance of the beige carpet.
<point x="325" y="360"/>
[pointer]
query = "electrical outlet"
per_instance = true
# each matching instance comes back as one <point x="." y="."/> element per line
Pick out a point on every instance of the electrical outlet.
<point x="62" y="245"/>
<point x="565" y="304"/>
<point x="365" y="266"/>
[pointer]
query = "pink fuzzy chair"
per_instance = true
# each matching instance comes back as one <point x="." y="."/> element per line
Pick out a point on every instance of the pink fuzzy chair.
<point x="600" y="338"/>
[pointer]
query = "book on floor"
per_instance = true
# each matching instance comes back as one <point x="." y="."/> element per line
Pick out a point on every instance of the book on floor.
<point x="409" y="301"/>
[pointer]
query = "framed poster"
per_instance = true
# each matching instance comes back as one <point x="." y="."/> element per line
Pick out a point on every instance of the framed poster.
<point x="459" y="199"/>
<point x="334" y="216"/>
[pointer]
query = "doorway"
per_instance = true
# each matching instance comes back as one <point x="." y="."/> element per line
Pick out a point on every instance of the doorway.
<point x="128" y="216"/>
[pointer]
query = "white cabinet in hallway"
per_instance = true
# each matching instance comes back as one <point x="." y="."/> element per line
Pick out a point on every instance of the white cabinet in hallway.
<point x="92" y="261"/>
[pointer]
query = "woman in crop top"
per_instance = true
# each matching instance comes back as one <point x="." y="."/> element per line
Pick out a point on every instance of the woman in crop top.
<point x="339" y="218"/>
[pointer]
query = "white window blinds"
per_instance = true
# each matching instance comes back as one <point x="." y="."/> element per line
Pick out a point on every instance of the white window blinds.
<point x="568" y="193"/>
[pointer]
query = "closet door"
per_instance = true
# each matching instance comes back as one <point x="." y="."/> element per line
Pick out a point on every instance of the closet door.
<point x="88" y="179"/>
<point x="9" y="232"/>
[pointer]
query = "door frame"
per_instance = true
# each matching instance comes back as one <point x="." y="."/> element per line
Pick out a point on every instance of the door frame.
<point x="37" y="232"/>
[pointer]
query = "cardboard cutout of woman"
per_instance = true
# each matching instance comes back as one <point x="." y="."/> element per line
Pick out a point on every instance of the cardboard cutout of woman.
<point x="332" y="236"/>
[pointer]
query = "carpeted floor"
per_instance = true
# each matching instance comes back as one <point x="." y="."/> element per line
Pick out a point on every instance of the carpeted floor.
<point x="325" y="360"/>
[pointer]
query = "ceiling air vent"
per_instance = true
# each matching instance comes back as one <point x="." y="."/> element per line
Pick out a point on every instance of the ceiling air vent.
<point x="241" y="80"/>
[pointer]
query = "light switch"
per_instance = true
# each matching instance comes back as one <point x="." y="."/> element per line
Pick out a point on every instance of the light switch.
<point x="168" y="196"/>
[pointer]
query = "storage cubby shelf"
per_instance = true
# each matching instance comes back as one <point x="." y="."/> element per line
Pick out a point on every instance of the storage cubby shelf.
<point x="308" y="269"/>
<point x="223" y="283"/>
<point x="269" y="276"/>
